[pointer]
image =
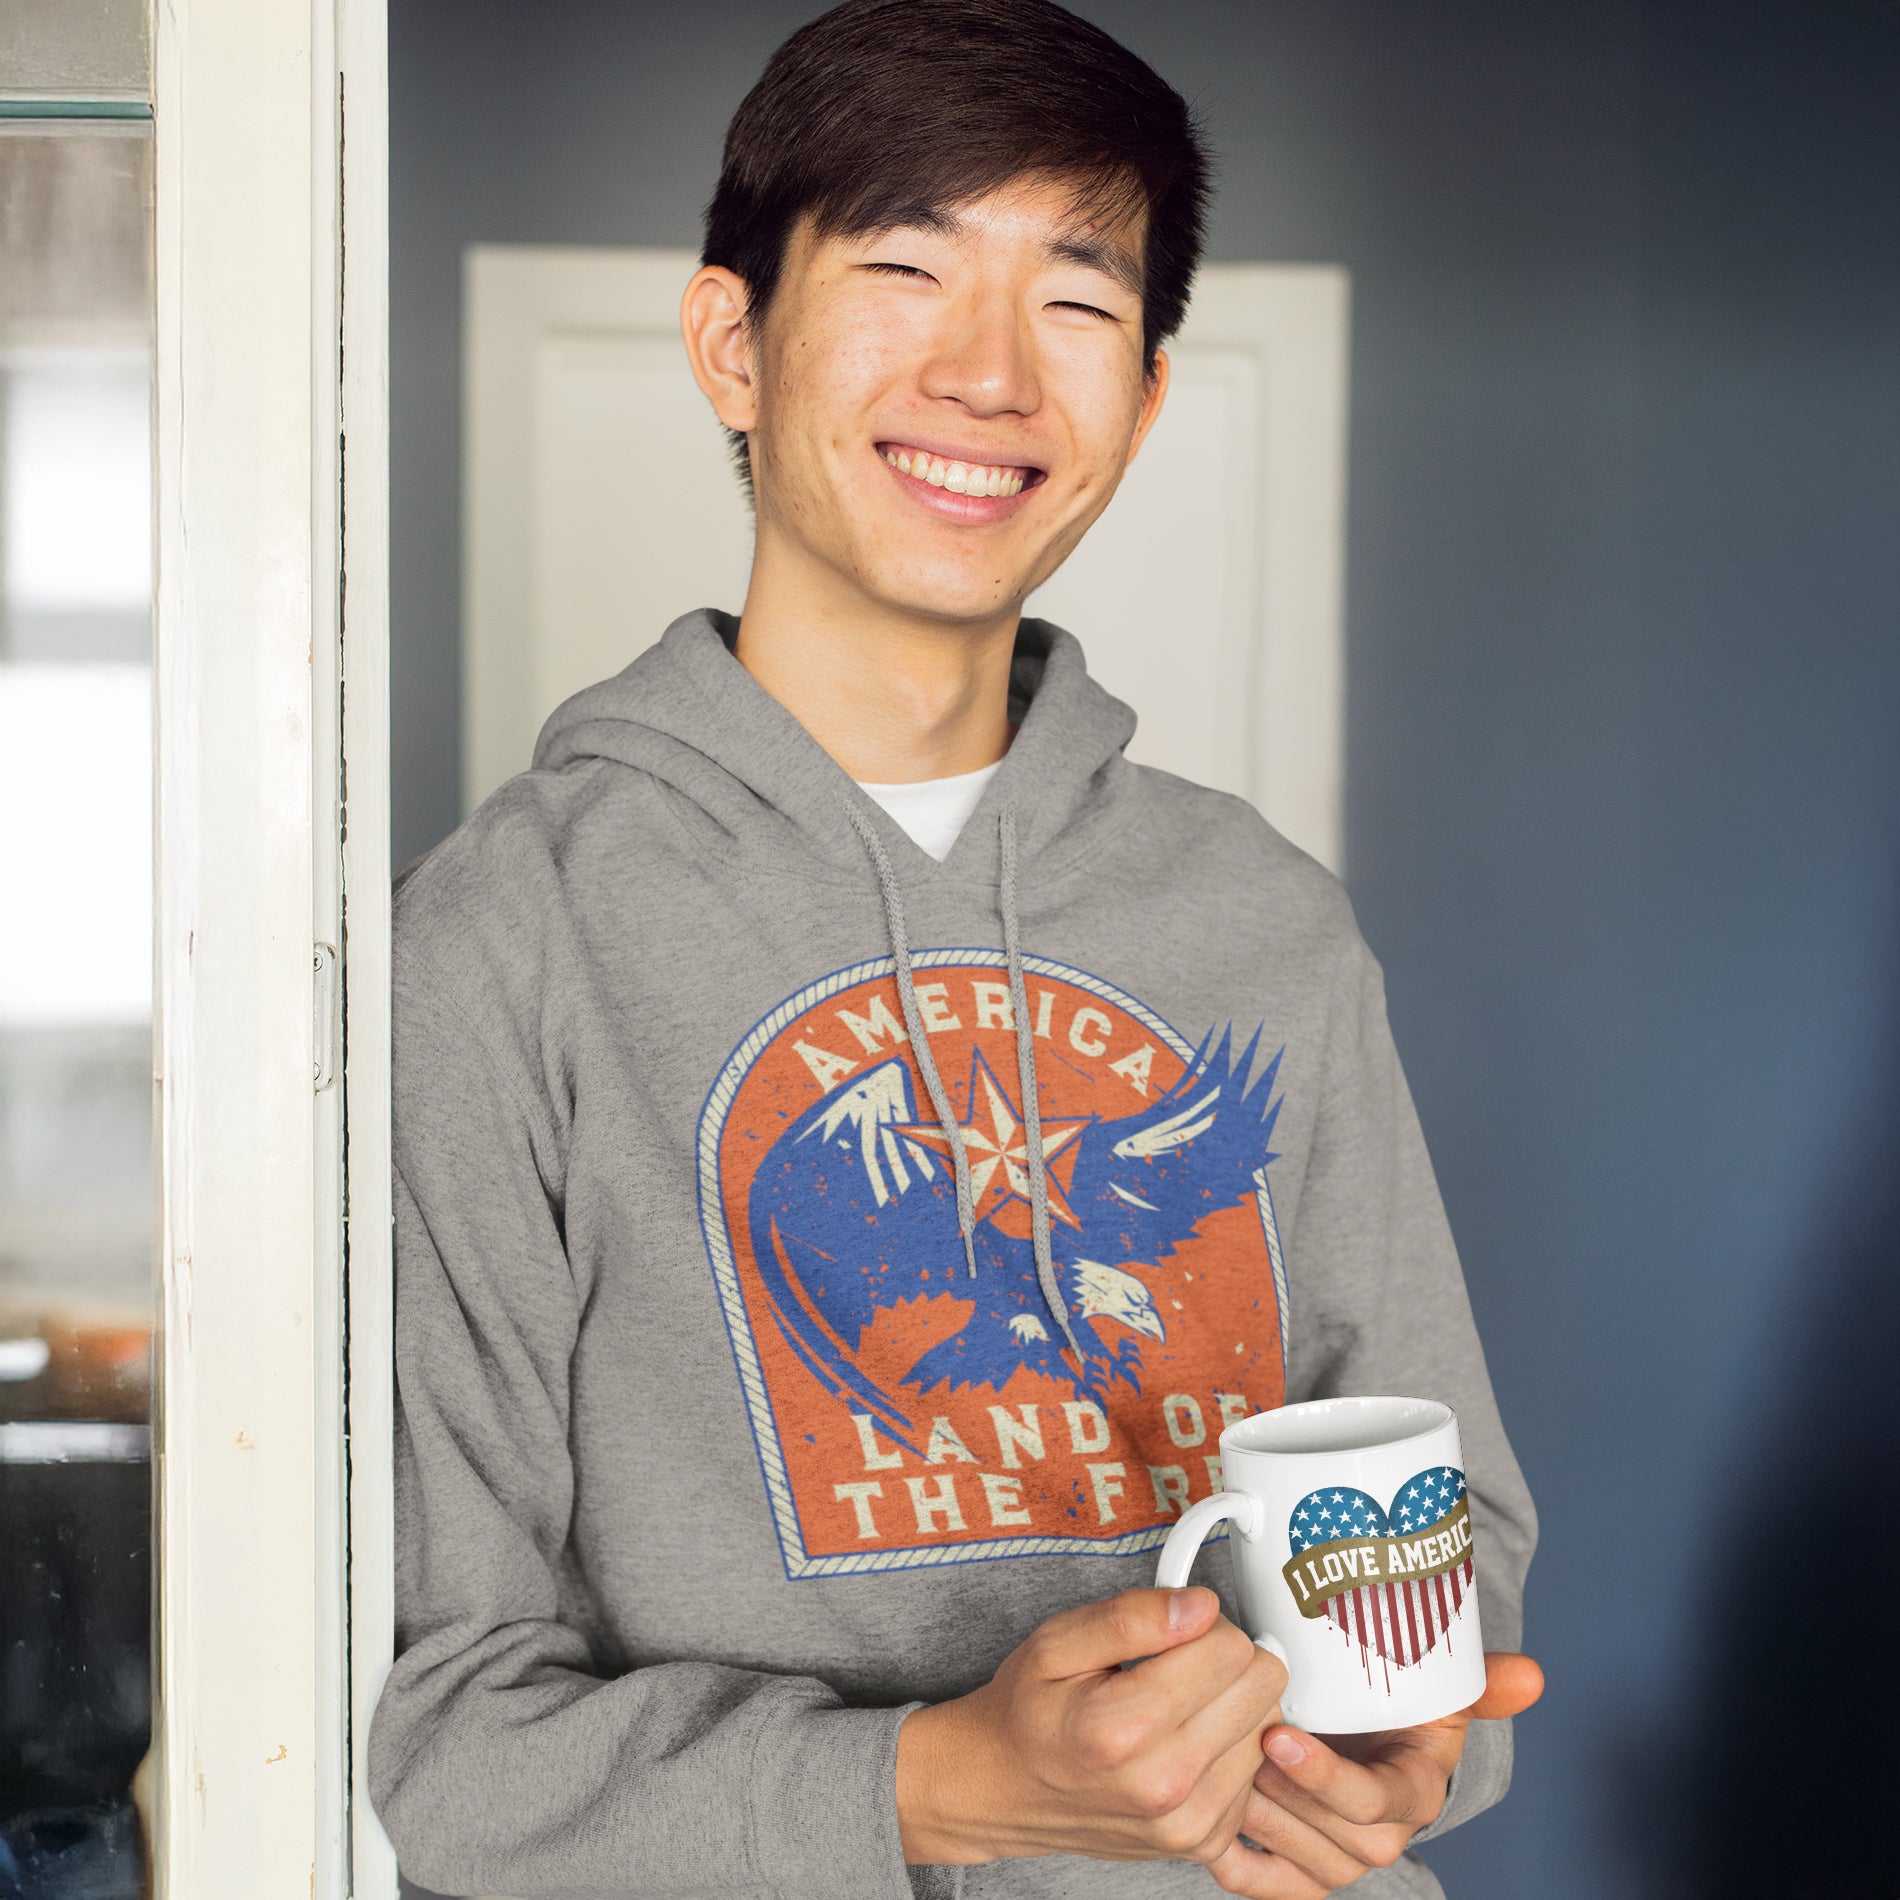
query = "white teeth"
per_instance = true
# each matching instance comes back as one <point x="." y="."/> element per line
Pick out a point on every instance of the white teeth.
<point x="960" y="478"/>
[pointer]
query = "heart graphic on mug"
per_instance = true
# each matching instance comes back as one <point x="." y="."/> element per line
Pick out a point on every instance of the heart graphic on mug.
<point x="1390" y="1577"/>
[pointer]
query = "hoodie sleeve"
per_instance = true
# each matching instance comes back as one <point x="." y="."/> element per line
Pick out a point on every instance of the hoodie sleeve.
<point x="1379" y="1305"/>
<point x="501" y="1758"/>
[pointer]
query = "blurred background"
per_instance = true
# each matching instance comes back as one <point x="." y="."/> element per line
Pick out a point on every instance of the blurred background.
<point x="1621" y="805"/>
<point x="77" y="1208"/>
<point x="1622" y="766"/>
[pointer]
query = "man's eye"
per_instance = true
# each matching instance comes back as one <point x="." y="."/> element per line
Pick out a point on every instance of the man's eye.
<point x="898" y="270"/>
<point x="1087" y="309"/>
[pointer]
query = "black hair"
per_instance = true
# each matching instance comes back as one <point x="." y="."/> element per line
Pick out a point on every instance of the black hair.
<point x="883" y="113"/>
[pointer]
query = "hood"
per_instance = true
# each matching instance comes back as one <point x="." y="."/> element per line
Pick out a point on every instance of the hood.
<point x="687" y="713"/>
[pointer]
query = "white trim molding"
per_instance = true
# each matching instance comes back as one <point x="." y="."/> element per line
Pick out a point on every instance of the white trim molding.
<point x="363" y="810"/>
<point x="256" y="662"/>
<point x="1294" y="320"/>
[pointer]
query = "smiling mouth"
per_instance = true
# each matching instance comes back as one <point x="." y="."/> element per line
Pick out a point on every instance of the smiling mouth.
<point x="987" y="479"/>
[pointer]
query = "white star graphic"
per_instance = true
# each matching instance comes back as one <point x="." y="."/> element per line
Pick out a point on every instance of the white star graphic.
<point x="999" y="1154"/>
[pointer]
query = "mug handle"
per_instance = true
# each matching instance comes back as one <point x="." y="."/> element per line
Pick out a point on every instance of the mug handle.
<point x="1185" y="1540"/>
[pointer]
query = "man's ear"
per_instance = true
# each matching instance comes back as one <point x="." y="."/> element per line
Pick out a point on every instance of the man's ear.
<point x="1154" y="391"/>
<point x="713" y="324"/>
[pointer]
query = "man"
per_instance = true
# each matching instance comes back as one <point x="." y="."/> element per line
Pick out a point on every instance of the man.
<point x="860" y="1139"/>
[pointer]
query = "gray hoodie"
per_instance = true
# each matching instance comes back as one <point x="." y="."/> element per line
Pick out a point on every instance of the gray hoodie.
<point x="816" y="1265"/>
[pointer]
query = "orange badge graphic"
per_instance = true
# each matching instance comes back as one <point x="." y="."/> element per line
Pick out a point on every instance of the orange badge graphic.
<point x="908" y="1411"/>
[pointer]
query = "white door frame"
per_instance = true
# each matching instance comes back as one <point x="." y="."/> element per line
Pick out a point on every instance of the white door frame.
<point x="274" y="1329"/>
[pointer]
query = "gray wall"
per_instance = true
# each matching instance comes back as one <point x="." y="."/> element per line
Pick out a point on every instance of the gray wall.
<point x="1623" y="769"/>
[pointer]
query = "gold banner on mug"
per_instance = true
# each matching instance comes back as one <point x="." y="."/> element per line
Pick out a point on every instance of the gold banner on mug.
<point x="1324" y="1571"/>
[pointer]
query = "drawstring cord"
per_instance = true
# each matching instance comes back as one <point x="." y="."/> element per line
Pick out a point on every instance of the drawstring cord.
<point x="1025" y="1063"/>
<point x="1026" y="1071"/>
<point x="919" y="1042"/>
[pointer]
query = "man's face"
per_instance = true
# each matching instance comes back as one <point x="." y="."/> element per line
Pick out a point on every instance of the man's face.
<point x="942" y="412"/>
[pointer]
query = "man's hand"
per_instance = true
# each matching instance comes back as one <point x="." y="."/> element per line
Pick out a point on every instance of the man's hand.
<point x="1322" y="1816"/>
<point x="1064" y="1751"/>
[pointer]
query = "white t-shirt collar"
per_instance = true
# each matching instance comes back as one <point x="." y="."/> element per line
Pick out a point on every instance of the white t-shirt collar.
<point x="933" y="810"/>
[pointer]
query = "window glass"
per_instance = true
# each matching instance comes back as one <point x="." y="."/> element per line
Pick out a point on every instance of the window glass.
<point x="77" y="1195"/>
<point x="87" y="51"/>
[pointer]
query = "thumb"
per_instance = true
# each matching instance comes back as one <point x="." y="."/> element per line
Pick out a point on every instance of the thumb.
<point x="1511" y="1684"/>
<point x="1122" y="1629"/>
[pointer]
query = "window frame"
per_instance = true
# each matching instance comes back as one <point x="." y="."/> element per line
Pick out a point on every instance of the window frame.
<point x="273" y="1619"/>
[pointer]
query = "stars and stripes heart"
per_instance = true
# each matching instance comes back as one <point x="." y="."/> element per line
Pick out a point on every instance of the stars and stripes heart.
<point x="1394" y="1579"/>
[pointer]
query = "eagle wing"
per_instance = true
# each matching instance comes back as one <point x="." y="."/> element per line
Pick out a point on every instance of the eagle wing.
<point x="847" y="1216"/>
<point x="1144" y="1182"/>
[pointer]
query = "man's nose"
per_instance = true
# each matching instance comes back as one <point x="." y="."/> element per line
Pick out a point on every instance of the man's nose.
<point x="984" y="361"/>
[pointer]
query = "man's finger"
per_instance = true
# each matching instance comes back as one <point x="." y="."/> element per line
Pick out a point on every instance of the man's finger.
<point x="1245" y="1871"/>
<point x="1228" y="1713"/>
<point x="1205" y="1696"/>
<point x="1121" y="1629"/>
<point x="1304" y="1849"/>
<point x="1256" y="1875"/>
<point x="1511" y="1684"/>
<point x="1233" y="1773"/>
<point x="1361" y="1794"/>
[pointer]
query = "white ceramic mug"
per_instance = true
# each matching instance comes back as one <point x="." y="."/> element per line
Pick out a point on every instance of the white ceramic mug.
<point x="1352" y="1558"/>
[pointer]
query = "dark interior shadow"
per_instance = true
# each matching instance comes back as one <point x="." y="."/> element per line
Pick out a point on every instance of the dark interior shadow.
<point x="1789" y="1753"/>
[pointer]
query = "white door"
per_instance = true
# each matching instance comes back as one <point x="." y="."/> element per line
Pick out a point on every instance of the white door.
<point x="599" y="504"/>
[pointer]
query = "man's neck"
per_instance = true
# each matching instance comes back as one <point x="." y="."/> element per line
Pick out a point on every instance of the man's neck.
<point x="894" y="698"/>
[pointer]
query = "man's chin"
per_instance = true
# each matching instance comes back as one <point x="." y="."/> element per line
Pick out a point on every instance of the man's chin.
<point x="950" y="599"/>
<point x="957" y="615"/>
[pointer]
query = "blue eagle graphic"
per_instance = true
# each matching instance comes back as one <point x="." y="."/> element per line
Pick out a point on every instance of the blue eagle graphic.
<point x="854" y="1210"/>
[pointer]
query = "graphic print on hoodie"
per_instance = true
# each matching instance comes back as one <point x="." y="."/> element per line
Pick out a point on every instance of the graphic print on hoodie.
<point x="917" y="1402"/>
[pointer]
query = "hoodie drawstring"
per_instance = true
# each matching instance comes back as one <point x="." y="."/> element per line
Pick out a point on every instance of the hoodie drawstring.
<point x="1025" y="1063"/>
<point x="1026" y="1071"/>
<point x="919" y="1042"/>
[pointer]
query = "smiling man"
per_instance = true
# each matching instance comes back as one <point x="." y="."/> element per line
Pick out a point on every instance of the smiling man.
<point x="860" y="1139"/>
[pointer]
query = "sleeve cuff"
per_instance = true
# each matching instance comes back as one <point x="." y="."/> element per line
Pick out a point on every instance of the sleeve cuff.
<point x="824" y="1806"/>
<point x="936" y="1883"/>
<point x="825" y="1811"/>
<point x="1478" y="1782"/>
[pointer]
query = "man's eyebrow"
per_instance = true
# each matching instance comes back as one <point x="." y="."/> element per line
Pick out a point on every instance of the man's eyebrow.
<point x="932" y="218"/>
<point x="1112" y="260"/>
